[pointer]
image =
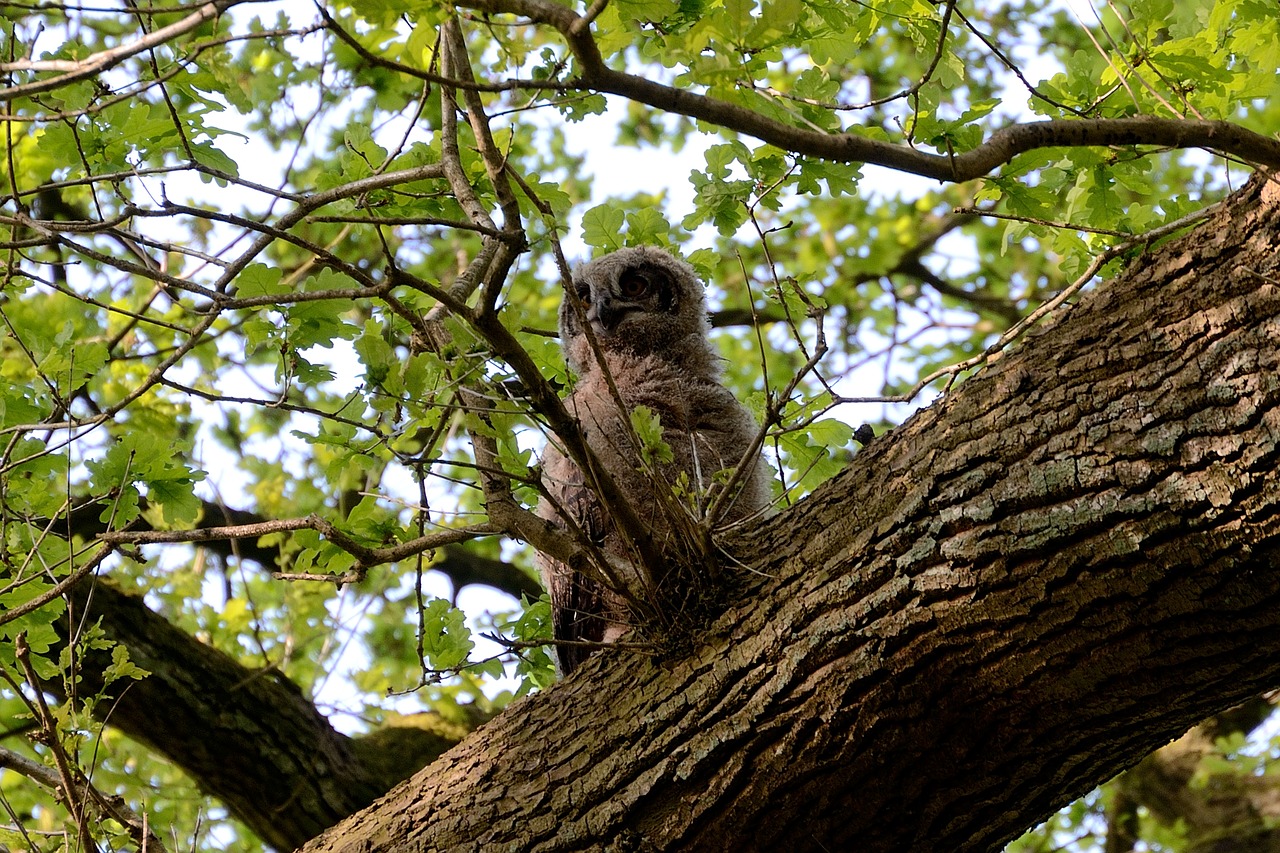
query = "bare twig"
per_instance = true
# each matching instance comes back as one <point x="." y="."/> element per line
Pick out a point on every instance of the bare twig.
<point x="68" y="787"/>
<point x="504" y="257"/>
<point x="59" y="588"/>
<point x="69" y="782"/>
<point x="427" y="76"/>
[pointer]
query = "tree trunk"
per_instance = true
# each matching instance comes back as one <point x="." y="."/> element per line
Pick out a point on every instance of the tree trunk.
<point x="1020" y="592"/>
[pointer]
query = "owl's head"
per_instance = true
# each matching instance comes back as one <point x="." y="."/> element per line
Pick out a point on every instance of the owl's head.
<point x="639" y="302"/>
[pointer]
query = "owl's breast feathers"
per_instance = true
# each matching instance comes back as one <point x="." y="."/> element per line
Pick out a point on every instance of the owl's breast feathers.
<point x="703" y="424"/>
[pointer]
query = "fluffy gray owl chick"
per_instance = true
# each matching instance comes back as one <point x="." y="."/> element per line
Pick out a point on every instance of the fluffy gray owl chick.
<point x="648" y="313"/>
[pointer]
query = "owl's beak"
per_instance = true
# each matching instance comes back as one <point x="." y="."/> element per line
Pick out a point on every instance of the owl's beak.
<point x="603" y="315"/>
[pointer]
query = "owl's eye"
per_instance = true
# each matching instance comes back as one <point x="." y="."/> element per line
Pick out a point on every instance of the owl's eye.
<point x="633" y="285"/>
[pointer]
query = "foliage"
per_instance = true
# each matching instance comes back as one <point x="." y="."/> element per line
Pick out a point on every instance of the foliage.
<point x="257" y="262"/>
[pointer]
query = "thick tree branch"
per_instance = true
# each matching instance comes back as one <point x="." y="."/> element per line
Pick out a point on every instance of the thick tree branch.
<point x="978" y="301"/>
<point x="249" y="737"/>
<point x="911" y="264"/>
<point x="1002" y="147"/>
<point x="1018" y="593"/>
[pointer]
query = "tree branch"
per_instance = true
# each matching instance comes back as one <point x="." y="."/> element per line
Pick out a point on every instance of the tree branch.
<point x="80" y="69"/>
<point x="999" y="149"/>
<point x="460" y="565"/>
<point x="248" y="737"/>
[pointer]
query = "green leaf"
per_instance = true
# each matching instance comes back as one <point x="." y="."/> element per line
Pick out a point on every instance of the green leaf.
<point x="121" y="667"/>
<point x="207" y="154"/>
<point x="446" y="640"/>
<point x="37" y="625"/>
<point x="646" y="10"/>
<point x="535" y="667"/>
<point x="260" y="280"/>
<point x="602" y="227"/>
<point x="376" y="354"/>
<point x="177" y="500"/>
<point x="18" y="405"/>
<point x="654" y="449"/>
<point x="647" y="227"/>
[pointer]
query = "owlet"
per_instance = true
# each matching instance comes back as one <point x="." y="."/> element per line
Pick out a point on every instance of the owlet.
<point x="648" y="314"/>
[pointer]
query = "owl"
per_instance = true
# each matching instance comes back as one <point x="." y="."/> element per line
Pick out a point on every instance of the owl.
<point x="648" y="315"/>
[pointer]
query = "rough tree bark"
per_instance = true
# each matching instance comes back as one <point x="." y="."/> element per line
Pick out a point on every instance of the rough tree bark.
<point x="1018" y="593"/>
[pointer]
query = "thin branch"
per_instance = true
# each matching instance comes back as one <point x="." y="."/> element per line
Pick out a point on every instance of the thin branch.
<point x="366" y="557"/>
<point x="305" y="206"/>
<point x="495" y="167"/>
<point x="909" y="91"/>
<point x="491" y="266"/>
<point x="1031" y="220"/>
<point x="205" y="534"/>
<point x="545" y="401"/>
<point x="445" y="79"/>
<point x="67" y="789"/>
<point x="33" y="770"/>
<point x="58" y="589"/>
<point x="572" y="547"/>
<point x="1015" y="69"/>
